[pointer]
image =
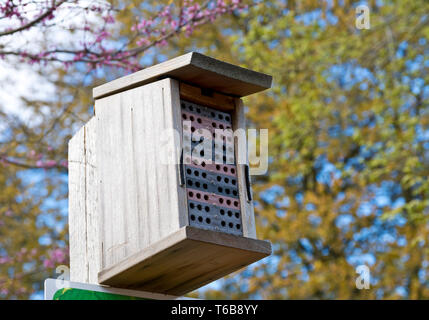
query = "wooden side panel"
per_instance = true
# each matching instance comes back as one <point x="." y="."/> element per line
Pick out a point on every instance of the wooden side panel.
<point x="247" y="209"/>
<point x="83" y="215"/>
<point x="92" y="217"/>
<point x="139" y="197"/>
<point x="77" y="208"/>
<point x="111" y="196"/>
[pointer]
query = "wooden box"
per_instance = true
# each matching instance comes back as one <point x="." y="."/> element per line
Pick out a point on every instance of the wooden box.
<point x="141" y="222"/>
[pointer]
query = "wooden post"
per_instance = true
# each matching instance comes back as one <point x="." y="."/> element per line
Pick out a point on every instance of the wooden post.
<point x="84" y="220"/>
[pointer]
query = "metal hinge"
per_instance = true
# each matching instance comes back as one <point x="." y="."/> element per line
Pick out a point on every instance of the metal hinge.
<point x="248" y="187"/>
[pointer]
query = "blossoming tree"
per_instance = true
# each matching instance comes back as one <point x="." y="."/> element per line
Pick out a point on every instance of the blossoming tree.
<point x="66" y="42"/>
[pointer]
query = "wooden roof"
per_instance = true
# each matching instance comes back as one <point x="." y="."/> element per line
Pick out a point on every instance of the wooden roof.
<point x="197" y="69"/>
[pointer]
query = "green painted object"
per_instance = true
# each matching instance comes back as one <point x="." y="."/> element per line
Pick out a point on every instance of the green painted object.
<point x="80" y="294"/>
<point x="57" y="289"/>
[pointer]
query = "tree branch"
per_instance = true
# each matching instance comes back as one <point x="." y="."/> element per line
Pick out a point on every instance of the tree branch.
<point x="34" y="22"/>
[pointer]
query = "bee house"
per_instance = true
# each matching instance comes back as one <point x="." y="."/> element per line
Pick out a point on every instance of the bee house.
<point x="159" y="188"/>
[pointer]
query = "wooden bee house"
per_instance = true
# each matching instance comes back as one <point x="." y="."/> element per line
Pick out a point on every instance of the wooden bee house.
<point x="141" y="223"/>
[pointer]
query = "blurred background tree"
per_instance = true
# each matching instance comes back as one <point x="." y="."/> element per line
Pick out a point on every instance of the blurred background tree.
<point x="348" y="123"/>
<point x="51" y="55"/>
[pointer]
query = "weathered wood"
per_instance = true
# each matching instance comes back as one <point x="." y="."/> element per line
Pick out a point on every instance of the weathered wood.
<point x="92" y="217"/>
<point x="247" y="209"/>
<point x="196" y="69"/>
<point x="215" y="100"/>
<point x="140" y="197"/>
<point x="173" y="95"/>
<point x="83" y="215"/>
<point x="184" y="261"/>
<point x="77" y="208"/>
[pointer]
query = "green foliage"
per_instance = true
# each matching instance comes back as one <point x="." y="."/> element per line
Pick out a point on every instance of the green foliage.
<point x="33" y="202"/>
<point x="348" y="121"/>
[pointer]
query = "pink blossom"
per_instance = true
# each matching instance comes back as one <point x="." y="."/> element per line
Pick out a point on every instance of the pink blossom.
<point x="56" y="256"/>
<point x="109" y="19"/>
<point x="48" y="264"/>
<point x="103" y="35"/>
<point x="59" y="255"/>
<point x="4" y="260"/>
<point x="174" y="24"/>
<point x="162" y="43"/>
<point x="64" y="163"/>
<point x="93" y="48"/>
<point x="50" y="163"/>
<point x="46" y="164"/>
<point x="142" y="42"/>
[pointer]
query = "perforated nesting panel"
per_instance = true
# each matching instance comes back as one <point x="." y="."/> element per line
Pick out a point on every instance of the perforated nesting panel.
<point x="212" y="188"/>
